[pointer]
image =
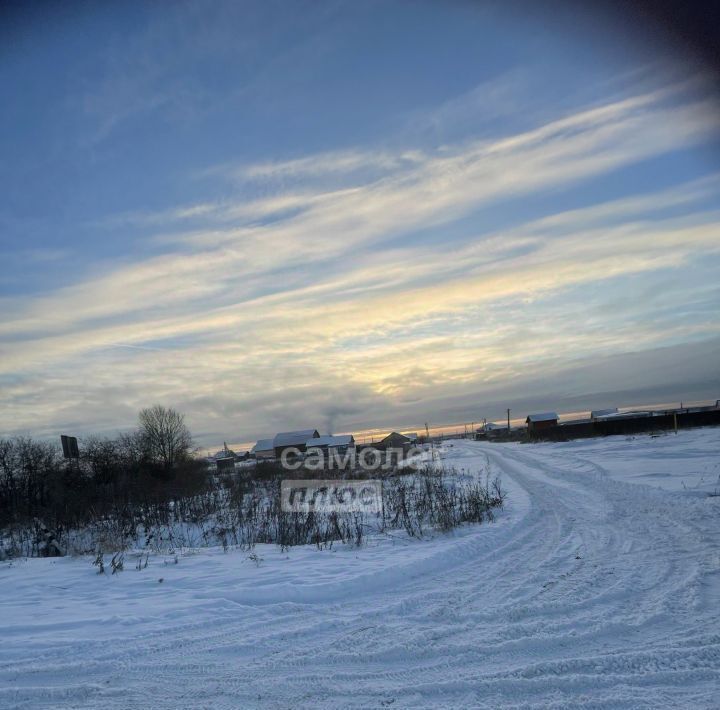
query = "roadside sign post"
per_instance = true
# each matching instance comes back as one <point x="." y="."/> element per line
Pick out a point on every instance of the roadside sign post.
<point x="70" y="447"/>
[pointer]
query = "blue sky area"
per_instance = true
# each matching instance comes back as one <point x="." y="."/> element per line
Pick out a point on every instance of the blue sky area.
<point x="349" y="215"/>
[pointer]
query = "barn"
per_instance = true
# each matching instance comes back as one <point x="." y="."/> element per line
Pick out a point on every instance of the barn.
<point x="540" y="421"/>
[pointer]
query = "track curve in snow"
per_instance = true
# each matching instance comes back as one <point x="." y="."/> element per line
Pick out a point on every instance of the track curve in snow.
<point x="587" y="591"/>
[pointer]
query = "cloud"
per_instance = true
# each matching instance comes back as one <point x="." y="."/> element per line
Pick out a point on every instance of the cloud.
<point x="325" y="296"/>
<point x="441" y="189"/>
<point x="328" y="164"/>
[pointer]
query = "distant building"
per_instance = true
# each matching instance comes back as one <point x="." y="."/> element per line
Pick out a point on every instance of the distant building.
<point x="331" y="443"/>
<point x="394" y="440"/>
<point x="492" y="426"/>
<point x="293" y="439"/>
<point x="263" y="450"/>
<point x="491" y="430"/>
<point x="603" y="412"/>
<point x="225" y="464"/>
<point x="542" y="420"/>
<point x="412" y="436"/>
<point x="224" y="453"/>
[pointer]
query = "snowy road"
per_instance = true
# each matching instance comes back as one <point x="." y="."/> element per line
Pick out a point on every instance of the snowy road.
<point x="587" y="591"/>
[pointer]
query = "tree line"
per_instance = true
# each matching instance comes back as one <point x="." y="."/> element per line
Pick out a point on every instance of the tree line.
<point x="151" y="465"/>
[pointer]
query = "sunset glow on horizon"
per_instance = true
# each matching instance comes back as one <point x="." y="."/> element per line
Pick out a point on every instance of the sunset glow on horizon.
<point x="262" y="233"/>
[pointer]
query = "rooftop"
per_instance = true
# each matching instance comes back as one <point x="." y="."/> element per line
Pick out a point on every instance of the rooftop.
<point x="543" y="417"/>
<point x="262" y="445"/>
<point x="342" y="440"/>
<point x="294" y="438"/>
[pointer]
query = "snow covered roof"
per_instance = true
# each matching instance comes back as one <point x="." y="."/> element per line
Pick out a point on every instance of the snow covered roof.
<point x="411" y="435"/>
<point x="330" y="441"/>
<point x="262" y="445"/>
<point x="602" y="412"/>
<point x="543" y="417"/>
<point x="628" y="415"/>
<point x="492" y="426"/>
<point x="294" y="438"/>
<point x="223" y="454"/>
<point x="395" y="436"/>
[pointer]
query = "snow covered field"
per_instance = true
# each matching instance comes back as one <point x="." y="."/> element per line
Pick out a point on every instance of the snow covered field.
<point x="597" y="586"/>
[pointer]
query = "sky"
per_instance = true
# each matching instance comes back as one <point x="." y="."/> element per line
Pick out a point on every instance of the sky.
<point x="342" y="215"/>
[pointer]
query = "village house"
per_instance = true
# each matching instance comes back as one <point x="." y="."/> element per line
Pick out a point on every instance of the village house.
<point x="293" y="439"/>
<point x="394" y="440"/>
<point x="540" y="421"/>
<point x="330" y="444"/>
<point x="492" y="430"/>
<point x="597" y="413"/>
<point x="263" y="450"/>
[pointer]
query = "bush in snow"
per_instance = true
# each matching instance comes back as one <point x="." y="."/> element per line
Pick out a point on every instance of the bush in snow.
<point x="113" y="500"/>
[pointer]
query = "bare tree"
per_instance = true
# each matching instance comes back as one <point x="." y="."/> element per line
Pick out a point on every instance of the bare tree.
<point x="101" y="457"/>
<point x="165" y="435"/>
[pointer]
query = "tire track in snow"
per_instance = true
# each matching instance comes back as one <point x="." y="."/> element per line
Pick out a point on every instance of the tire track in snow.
<point x="598" y="594"/>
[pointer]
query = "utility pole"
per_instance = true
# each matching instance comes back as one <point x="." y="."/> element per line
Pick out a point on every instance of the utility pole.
<point x="432" y="447"/>
<point x="508" y="413"/>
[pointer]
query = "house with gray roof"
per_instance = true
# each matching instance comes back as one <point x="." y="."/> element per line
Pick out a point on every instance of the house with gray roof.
<point x="263" y="449"/>
<point x="293" y="439"/>
<point x="339" y="443"/>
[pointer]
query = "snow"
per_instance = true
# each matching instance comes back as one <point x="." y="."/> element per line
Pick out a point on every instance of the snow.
<point x="329" y="440"/>
<point x="688" y="461"/>
<point x="262" y="445"/>
<point x="596" y="413"/>
<point x="543" y="417"/>
<point x="597" y="586"/>
<point x="294" y="438"/>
